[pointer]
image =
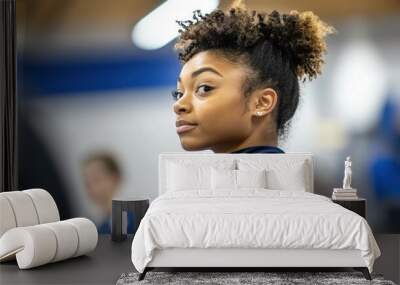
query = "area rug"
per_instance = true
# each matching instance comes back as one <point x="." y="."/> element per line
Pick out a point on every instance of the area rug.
<point x="269" y="278"/>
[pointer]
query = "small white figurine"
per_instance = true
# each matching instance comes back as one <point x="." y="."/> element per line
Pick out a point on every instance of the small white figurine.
<point x="347" y="174"/>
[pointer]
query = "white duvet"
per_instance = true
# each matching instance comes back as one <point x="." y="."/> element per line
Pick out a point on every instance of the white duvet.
<point x="252" y="218"/>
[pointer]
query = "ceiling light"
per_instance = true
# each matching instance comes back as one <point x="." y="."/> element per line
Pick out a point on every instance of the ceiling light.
<point x="158" y="28"/>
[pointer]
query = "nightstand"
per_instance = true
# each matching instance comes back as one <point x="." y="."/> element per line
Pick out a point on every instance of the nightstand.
<point x="358" y="206"/>
<point x="120" y="208"/>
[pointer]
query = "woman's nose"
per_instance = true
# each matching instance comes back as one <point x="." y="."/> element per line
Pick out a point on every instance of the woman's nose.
<point x="182" y="105"/>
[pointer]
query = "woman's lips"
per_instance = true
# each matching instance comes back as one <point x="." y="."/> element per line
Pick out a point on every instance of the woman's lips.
<point x="184" y="128"/>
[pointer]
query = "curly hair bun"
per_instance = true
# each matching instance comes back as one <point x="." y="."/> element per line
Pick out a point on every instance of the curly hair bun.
<point x="299" y="36"/>
<point x="302" y="35"/>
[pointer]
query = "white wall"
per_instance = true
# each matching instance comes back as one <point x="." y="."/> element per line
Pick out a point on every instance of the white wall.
<point x="136" y="125"/>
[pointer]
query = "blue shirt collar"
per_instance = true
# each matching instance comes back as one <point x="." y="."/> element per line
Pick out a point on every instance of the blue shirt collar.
<point x="260" y="149"/>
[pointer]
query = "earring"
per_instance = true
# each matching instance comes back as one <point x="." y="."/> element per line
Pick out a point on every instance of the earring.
<point x="259" y="113"/>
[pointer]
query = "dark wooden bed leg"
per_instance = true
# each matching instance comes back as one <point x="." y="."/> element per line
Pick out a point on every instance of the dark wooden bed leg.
<point x="143" y="274"/>
<point x="364" y="271"/>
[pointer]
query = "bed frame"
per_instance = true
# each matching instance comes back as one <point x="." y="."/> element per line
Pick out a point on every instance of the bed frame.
<point x="248" y="259"/>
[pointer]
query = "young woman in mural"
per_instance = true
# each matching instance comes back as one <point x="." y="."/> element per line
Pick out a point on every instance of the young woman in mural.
<point x="239" y="84"/>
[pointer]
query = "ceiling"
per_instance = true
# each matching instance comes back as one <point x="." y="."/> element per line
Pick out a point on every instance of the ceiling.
<point x="44" y="14"/>
<point x="110" y="22"/>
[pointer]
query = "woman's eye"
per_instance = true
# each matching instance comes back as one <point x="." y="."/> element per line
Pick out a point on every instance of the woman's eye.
<point x="176" y="94"/>
<point x="205" y="88"/>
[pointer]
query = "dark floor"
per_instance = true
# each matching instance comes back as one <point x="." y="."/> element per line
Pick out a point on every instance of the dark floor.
<point x="389" y="262"/>
<point x="110" y="259"/>
<point x="102" y="266"/>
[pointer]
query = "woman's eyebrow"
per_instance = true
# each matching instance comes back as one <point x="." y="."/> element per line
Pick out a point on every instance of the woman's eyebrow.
<point x="201" y="70"/>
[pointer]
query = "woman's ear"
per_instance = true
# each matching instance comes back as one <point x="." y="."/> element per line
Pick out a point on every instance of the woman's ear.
<point x="265" y="101"/>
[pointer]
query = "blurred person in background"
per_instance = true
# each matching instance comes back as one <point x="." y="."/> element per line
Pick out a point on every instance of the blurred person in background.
<point x="103" y="178"/>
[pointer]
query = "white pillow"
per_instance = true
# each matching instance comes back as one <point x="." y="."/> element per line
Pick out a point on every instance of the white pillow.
<point x="186" y="174"/>
<point x="293" y="179"/>
<point x="282" y="174"/>
<point x="223" y="179"/>
<point x="251" y="178"/>
<point x="227" y="179"/>
<point x="183" y="177"/>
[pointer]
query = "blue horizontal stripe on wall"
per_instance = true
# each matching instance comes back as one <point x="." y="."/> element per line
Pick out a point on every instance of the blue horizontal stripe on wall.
<point x="59" y="76"/>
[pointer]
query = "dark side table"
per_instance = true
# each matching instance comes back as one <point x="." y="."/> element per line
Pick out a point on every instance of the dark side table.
<point x="120" y="207"/>
<point x="358" y="206"/>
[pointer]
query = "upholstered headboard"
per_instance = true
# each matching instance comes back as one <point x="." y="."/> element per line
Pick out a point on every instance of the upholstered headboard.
<point x="240" y="160"/>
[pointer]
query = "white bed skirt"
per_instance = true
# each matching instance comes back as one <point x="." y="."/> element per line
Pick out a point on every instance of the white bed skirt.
<point x="251" y="257"/>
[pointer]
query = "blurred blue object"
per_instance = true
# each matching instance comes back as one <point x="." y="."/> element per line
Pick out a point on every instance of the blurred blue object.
<point x="105" y="226"/>
<point x="386" y="177"/>
<point x="54" y="76"/>
<point x="385" y="164"/>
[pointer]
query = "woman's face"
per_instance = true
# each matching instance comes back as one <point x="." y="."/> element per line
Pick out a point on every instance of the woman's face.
<point x="209" y="96"/>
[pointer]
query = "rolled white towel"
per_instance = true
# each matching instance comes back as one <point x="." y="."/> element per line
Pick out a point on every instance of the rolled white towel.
<point x="40" y="244"/>
<point x="26" y="208"/>
<point x="87" y="233"/>
<point x="45" y="205"/>
<point x="23" y="208"/>
<point x="7" y="218"/>
<point x="33" y="246"/>
<point x="67" y="240"/>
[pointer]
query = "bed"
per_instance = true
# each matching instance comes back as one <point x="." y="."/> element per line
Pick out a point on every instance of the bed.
<point x="244" y="211"/>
